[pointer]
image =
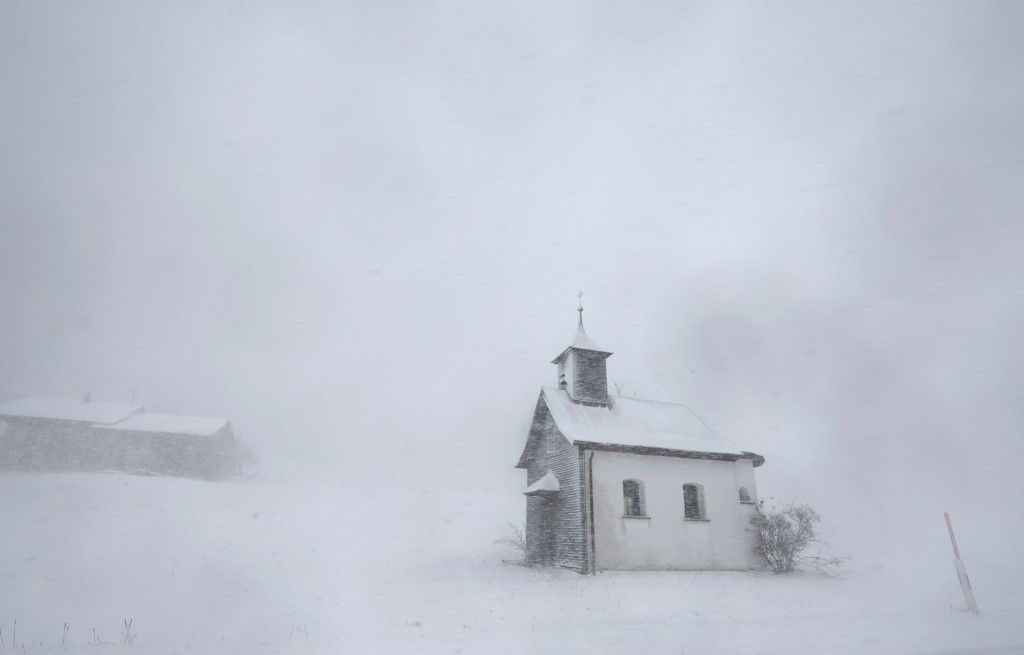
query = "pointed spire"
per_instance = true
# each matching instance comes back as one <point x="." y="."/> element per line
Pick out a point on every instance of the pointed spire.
<point x="582" y="341"/>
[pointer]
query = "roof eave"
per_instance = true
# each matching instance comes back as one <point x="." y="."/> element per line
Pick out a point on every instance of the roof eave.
<point x="565" y="352"/>
<point x="665" y="452"/>
<point x="757" y="459"/>
<point x="543" y="493"/>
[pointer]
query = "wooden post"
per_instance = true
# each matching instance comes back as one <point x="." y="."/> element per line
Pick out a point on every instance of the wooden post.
<point x="961" y="570"/>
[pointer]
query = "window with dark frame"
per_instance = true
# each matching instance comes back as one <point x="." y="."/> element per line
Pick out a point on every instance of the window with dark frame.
<point x="632" y="499"/>
<point x="693" y="502"/>
<point x="744" y="495"/>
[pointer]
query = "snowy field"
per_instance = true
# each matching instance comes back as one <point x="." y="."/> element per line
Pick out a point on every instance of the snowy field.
<point x="293" y="565"/>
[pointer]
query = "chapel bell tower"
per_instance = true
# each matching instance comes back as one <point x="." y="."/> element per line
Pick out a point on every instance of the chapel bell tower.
<point x="582" y="369"/>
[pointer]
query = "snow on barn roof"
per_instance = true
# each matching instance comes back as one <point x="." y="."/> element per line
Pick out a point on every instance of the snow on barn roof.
<point x="170" y="423"/>
<point x="631" y="422"/>
<point x="69" y="410"/>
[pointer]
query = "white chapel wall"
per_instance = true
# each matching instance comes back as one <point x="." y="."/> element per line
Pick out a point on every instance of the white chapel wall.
<point x="665" y="539"/>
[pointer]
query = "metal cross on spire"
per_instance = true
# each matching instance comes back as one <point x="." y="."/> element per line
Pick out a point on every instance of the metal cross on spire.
<point x="579" y="306"/>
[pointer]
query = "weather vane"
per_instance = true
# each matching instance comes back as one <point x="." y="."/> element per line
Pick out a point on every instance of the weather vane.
<point x="579" y="307"/>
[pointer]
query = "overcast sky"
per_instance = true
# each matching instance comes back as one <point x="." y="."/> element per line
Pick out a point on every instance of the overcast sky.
<point x="357" y="229"/>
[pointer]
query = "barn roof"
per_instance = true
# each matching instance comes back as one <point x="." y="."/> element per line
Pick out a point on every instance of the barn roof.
<point x="69" y="410"/>
<point x="170" y="423"/>
<point x="631" y="423"/>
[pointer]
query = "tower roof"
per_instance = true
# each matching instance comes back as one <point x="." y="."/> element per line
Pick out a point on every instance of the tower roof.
<point x="581" y="342"/>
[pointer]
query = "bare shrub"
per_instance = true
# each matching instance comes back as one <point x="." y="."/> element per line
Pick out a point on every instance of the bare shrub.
<point x="127" y="636"/>
<point x="785" y="534"/>
<point x="622" y="391"/>
<point x="515" y="538"/>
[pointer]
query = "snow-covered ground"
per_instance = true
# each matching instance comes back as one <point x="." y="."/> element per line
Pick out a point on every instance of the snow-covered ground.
<point x="292" y="564"/>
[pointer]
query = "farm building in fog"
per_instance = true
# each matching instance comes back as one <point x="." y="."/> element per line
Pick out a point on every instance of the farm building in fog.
<point x="625" y="484"/>
<point x="57" y="434"/>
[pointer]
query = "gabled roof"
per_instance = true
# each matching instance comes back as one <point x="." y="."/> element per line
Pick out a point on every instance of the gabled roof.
<point x="636" y="425"/>
<point x="548" y="484"/>
<point x="170" y="423"/>
<point x="69" y="410"/>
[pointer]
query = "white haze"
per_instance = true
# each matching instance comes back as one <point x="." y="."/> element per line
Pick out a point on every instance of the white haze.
<point x="357" y="229"/>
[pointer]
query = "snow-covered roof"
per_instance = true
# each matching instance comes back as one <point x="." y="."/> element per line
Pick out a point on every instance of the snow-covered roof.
<point x="170" y="423"/>
<point x="547" y="484"/>
<point x="631" y="422"/>
<point x="69" y="410"/>
<point x="581" y="342"/>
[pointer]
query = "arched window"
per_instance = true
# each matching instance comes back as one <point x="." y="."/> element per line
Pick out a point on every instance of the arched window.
<point x="693" y="501"/>
<point x="744" y="495"/>
<point x="633" y="498"/>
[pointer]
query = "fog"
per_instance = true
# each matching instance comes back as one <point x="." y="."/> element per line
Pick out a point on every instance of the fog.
<point x="357" y="230"/>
